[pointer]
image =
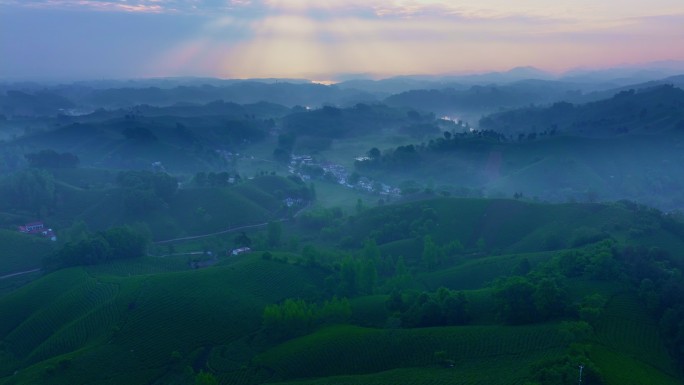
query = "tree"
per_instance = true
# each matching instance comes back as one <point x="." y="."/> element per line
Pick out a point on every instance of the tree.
<point x="374" y="153"/>
<point x="115" y="243"/>
<point x="368" y="275"/>
<point x="242" y="240"/>
<point x="371" y="251"/>
<point x="310" y="255"/>
<point x="52" y="159"/>
<point x="146" y="190"/>
<point x="295" y="317"/>
<point x="78" y="231"/>
<point x="454" y="308"/>
<point x="549" y="300"/>
<point x="591" y="308"/>
<point x="523" y="267"/>
<point x="281" y="155"/>
<point x="402" y="278"/>
<point x="453" y="248"/>
<point x="441" y="308"/>
<point x="32" y="189"/>
<point x="349" y="277"/>
<point x="125" y="242"/>
<point x="515" y="298"/>
<point x="204" y="378"/>
<point x="274" y="231"/>
<point x="395" y="303"/>
<point x="359" y="205"/>
<point x="432" y="254"/>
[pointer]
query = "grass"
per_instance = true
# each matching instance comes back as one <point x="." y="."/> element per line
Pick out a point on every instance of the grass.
<point x="85" y="177"/>
<point x="369" y="311"/>
<point x="344" y="350"/>
<point x="153" y="316"/>
<point x="140" y="266"/>
<point x="20" y="252"/>
<point x="478" y="272"/>
<point x="626" y="327"/>
<point x="8" y="285"/>
<point x="506" y="371"/>
<point x="47" y="323"/>
<point x="71" y="314"/>
<point x="498" y="226"/>
<point x="621" y="369"/>
<point x="558" y="169"/>
<point x="190" y="211"/>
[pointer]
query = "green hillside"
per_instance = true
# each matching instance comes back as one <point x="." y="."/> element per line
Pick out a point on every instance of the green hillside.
<point x="187" y="212"/>
<point x="20" y="252"/>
<point x="502" y="225"/>
<point x="596" y="284"/>
<point x="149" y="316"/>
<point x="350" y="350"/>
<point x="558" y="168"/>
<point x="646" y="110"/>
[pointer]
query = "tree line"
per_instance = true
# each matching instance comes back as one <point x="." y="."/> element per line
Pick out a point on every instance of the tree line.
<point x="103" y="246"/>
<point x="296" y="317"/>
<point x="52" y="159"/>
<point x="145" y="191"/>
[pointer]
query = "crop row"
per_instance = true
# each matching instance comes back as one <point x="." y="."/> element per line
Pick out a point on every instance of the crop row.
<point x="341" y="350"/>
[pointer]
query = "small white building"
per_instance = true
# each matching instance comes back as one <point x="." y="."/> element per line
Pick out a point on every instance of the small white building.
<point x="240" y="250"/>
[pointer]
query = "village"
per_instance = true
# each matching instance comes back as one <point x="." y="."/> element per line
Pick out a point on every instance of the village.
<point x="306" y="167"/>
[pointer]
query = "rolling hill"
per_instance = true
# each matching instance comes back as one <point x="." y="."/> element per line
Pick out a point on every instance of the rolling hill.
<point x="163" y="323"/>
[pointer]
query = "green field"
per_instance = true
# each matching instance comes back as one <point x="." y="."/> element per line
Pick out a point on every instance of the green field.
<point x="163" y="322"/>
<point x="20" y="252"/>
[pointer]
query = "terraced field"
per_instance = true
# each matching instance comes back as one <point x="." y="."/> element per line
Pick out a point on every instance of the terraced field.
<point x="354" y="350"/>
<point x="19" y="252"/>
<point x="140" y="320"/>
<point x="153" y="320"/>
<point x="628" y="334"/>
<point x="480" y="271"/>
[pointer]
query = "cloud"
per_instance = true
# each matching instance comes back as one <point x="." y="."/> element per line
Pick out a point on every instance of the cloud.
<point x="139" y="6"/>
<point x="528" y="11"/>
<point x="303" y="38"/>
<point x="307" y="38"/>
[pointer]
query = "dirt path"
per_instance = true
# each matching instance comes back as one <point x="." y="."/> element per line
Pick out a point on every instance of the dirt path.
<point x="19" y="273"/>
<point x="230" y="230"/>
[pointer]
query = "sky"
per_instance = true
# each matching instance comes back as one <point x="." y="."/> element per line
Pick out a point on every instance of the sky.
<point x="325" y="39"/>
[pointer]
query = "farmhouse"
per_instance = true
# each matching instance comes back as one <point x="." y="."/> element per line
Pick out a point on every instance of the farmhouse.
<point x="38" y="228"/>
<point x="240" y="250"/>
<point x="32" y="228"/>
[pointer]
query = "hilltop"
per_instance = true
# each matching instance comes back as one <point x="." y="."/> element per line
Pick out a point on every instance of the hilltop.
<point x="649" y="110"/>
<point x="624" y="147"/>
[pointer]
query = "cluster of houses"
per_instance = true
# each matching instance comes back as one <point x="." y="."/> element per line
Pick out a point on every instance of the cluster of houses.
<point x="290" y="202"/>
<point x="208" y="259"/>
<point x="38" y="228"/>
<point x="230" y="157"/>
<point x="299" y="164"/>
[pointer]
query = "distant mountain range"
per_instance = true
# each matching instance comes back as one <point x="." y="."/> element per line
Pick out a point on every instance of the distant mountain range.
<point x="470" y="95"/>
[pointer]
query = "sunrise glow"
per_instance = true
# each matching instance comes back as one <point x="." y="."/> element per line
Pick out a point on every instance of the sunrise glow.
<point x="310" y="39"/>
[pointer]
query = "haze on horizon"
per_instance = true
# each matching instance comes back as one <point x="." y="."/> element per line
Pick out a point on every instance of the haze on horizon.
<point x="88" y="39"/>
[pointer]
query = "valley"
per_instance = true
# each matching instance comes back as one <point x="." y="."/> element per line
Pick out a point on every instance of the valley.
<point x="295" y="233"/>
